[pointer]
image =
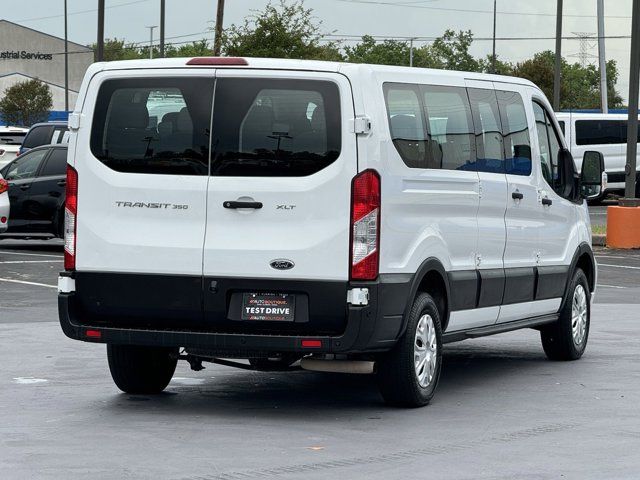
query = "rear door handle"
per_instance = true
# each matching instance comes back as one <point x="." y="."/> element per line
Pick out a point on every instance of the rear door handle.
<point x="237" y="204"/>
<point x="25" y="187"/>
<point x="547" y="201"/>
<point x="517" y="196"/>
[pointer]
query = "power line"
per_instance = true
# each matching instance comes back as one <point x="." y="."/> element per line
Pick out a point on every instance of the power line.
<point x="80" y="12"/>
<point x="464" y="10"/>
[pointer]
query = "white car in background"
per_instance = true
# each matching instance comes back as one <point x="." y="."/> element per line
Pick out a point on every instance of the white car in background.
<point x="4" y="205"/>
<point x="10" y="141"/>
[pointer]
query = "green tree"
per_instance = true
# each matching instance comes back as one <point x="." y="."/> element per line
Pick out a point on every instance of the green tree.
<point x="195" y="49"/>
<point x="116" y="49"/>
<point x="502" y="67"/>
<point x="286" y="30"/>
<point x="388" y="52"/>
<point x="451" y="52"/>
<point x="579" y="86"/>
<point x="26" y="103"/>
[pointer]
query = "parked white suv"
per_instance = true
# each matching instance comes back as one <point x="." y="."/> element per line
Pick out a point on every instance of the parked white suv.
<point x="355" y="217"/>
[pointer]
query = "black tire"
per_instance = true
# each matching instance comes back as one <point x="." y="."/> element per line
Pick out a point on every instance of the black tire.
<point x="397" y="377"/>
<point x="141" y="370"/>
<point x="558" y="340"/>
<point x="273" y="364"/>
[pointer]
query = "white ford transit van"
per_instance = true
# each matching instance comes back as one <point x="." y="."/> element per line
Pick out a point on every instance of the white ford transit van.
<point x="605" y="133"/>
<point x="353" y="217"/>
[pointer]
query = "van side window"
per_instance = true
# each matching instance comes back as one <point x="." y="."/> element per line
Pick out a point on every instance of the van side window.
<point x="406" y="122"/>
<point x="549" y="147"/>
<point x="275" y="127"/>
<point x="488" y="130"/>
<point x="450" y="126"/>
<point x="600" y="132"/>
<point x="517" y="144"/>
<point x="153" y="125"/>
<point x="562" y="127"/>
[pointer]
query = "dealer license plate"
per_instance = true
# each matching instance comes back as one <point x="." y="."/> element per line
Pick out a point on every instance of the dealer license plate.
<point x="268" y="307"/>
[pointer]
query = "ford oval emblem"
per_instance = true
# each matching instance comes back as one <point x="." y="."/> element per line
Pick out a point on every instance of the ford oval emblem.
<point x="282" y="264"/>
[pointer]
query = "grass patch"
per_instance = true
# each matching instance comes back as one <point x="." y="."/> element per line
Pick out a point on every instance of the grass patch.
<point x="599" y="229"/>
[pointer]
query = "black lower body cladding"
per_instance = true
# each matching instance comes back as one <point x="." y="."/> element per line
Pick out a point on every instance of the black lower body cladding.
<point x="204" y="313"/>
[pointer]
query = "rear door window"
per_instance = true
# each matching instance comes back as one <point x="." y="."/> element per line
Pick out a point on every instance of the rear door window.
<point x="38" y="136"/>
<point x="12" y="138"/>
<point x="56" y="163"/>
<point x="274" y="127"/>
<point x="154" y="125"/>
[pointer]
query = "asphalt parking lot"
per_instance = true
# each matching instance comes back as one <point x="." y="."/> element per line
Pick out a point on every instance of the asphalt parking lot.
<point x="502" y="410"/>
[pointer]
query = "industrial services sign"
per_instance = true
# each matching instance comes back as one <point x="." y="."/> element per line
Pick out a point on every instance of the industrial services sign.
<point x="24" y="55"/>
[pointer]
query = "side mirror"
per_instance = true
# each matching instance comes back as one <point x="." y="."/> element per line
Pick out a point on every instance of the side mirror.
<point x="592" y="175"/>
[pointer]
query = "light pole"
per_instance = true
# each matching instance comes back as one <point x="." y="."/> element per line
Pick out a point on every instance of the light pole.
<point x="411" y="51"/>
<point x="602" y="59"/>
<point x="151" y="27"/>
<point x="100" y="43"/>
<point x="66" y="61"/>
<point x="558" y="64"/>
<point x="630" y="199"/>
<point x="493" y="55"/>
<point x="217" y="42"/>
<point x="162" y="28"/>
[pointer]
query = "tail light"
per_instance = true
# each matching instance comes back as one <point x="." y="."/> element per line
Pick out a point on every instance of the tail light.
<point x="4" y="185"/>
<point x="365" y="225"/>
<point x="70" y="219"/>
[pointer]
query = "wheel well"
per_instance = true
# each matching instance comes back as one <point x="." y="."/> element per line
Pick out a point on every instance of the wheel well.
<point x="433" y="284"/>
<point x="586" y="265"/>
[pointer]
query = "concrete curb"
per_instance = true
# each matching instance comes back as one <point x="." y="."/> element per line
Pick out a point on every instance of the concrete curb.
<point x="599" y="240"/>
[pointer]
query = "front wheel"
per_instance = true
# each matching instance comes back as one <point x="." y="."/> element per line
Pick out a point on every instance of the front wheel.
<point x="408" y="375"/>
<point x="567" y="338"/>
<point x="141" y="370"/>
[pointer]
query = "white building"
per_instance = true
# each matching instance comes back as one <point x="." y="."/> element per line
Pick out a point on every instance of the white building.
<point x="26" y="53"/>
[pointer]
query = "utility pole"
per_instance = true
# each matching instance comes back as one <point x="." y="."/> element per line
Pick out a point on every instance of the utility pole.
<point x="411" y="52"/>
<point x="558" y="65"/>
<point x="100" y="43"/>
<point x="151" y="27"/>
<point x="602" y="59"/>
<point x="66" y="61"/>
<point x="493" y="55"/>
<point x="162" y="28"/>
<point x="630" y="199"/>
<point x="217" y="43"/>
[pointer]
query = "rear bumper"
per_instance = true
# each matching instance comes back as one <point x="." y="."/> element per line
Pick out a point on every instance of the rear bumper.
<point x="371" y="328"/>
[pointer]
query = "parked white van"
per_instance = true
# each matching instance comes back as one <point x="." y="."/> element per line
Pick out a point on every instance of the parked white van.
<point x="605" y="133"/>
<point x="353" y="217"/>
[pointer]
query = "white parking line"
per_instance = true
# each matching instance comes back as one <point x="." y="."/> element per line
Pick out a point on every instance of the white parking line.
<point x="610" y="286"/>
<point x="618" y="266"/>
<point x="32" y="261"/>
<point x="27" y="283"/>
<point x="4" y="252"/>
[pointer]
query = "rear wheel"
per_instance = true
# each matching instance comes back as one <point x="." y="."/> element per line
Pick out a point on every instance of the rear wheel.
<point x="141" y="370"/>
<point x="409" y="374"/>
<point x="567" y="338"/>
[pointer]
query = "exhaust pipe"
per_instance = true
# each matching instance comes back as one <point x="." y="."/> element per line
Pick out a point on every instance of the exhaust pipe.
<point x="361" y="367"/>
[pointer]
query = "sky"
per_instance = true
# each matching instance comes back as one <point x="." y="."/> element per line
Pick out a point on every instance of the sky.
<point x="520" y="23"/>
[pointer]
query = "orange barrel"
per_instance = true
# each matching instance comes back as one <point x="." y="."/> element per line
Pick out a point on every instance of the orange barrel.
<point x="623" y="227"/>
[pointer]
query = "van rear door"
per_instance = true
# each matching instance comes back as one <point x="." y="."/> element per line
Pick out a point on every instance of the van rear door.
<point x="142" y="154"/>
<point x="278" y="204"/>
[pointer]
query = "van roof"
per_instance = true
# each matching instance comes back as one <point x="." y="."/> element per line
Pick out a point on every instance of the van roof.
<point x="306" y="65"/>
